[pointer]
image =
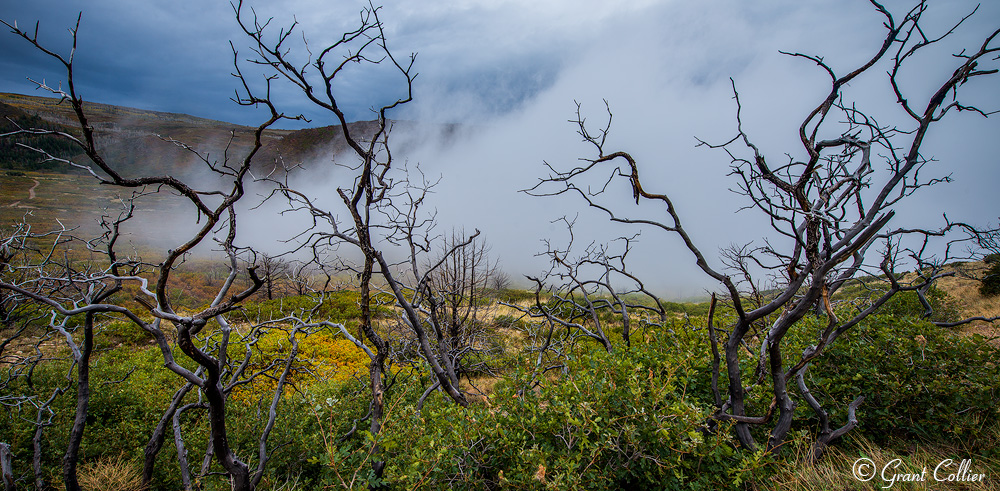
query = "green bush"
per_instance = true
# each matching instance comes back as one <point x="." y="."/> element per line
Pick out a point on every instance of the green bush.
<point x="510" y="295"/>
<point x="919" y="380"/>
<point x="628" y="420"/>
<point x="991" y="280"/>
<point x="129" y="390"/>
<point x="121" y="333"/>
<point x="336" y="306"/>
<point x="13" y="152"/>
<point x="907" y="304"/>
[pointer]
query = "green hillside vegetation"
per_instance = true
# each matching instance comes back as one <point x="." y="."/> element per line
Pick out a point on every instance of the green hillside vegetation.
<point x="131" y="137"/>
<point x="14" y="155"/>
<point x="51" y="109"/>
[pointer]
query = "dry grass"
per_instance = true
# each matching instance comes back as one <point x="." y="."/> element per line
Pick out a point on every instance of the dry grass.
<point x="964" y="292"/>
<point x="902" y="470"/>
<point x="111" y="474"/>
<point x="479" y="389"/>
<point x="494" y="310"/>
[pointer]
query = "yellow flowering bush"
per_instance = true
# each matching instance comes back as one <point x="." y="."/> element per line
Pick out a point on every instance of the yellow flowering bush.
<point x="322" y="356"/>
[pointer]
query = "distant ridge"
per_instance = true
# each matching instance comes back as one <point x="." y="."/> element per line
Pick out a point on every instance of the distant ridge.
<point x="61" y="112"/>
<point x="131" y="138"/>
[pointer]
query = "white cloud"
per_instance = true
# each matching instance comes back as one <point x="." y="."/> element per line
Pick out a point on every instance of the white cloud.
<point x="665" y="72"/>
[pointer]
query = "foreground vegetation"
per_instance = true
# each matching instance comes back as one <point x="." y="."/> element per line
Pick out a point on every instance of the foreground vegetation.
<point x="639" y="418"/>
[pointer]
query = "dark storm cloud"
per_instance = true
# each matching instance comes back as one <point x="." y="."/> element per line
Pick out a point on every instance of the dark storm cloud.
<point x="166" y="56"/>
<point x="176" y="56"/>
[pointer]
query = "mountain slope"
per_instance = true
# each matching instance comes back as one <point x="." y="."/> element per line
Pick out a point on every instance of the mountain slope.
<point x="14" y="153"/>
<point x="133" y="139"/>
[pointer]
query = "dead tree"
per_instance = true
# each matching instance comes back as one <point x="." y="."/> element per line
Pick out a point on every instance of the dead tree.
<point x="830" y="205"/>
<point x="580" y="295"/>
<point x="580" y="290"/>
<point x="382" y="204"/>
<point x="91" y="288"/>
<point x="300" y="277"/>
<point x="274" y="271"/>
<point x="457" y="290"/>
<point x="6" y="469"/>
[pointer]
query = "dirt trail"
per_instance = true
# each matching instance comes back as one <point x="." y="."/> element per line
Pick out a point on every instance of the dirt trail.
<point x="31" y="192"/>
<point x="31" y="195"/>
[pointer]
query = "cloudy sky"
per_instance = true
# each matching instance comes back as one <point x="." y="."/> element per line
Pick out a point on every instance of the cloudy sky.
<point x="512" y="69"/>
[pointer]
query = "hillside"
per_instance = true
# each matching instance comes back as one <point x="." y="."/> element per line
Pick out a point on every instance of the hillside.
<point x="107" y="115"/>
<point x="13" y="151"/>
<point x="964" y="293"/>
<point x="131" y="138"/>
<point x="328" y="141"/>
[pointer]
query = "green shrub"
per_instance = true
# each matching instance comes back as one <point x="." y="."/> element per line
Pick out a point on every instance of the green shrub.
<point x="628" y="420"/>
<point x="129" y="390"/>
<point x="118" y="333"/>
<point x="907" y="304"/>
<point x="510" y="322"/>
<point x="510" y="295"/>
<point x="633" y="419"/>
<point x="991" y="280"/>
<point x="919" y="380"/>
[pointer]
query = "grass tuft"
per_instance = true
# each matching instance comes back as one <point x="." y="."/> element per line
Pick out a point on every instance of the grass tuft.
<point x="111" y="474"/>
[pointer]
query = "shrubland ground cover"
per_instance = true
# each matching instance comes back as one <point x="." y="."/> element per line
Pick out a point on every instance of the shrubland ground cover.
<point x="638" y="418"/>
